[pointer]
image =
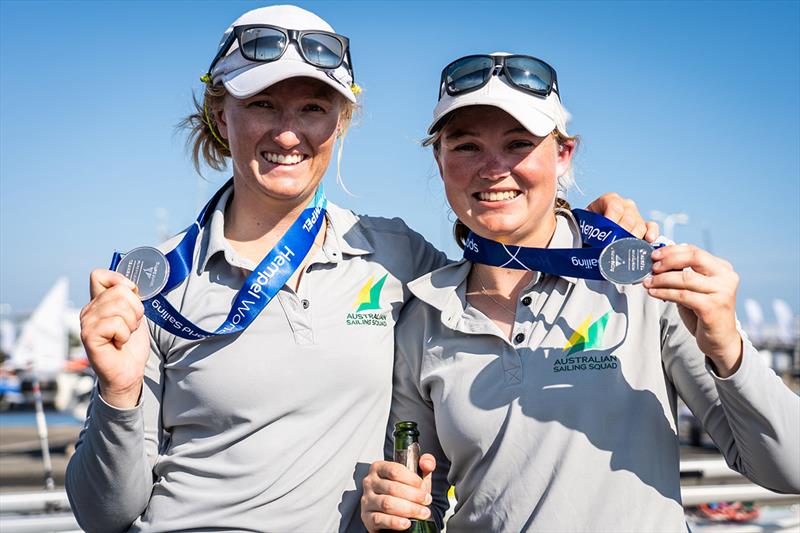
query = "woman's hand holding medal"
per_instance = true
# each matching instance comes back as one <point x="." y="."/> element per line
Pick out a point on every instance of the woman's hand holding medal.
<point x="704" y="287"/>
<point x="624" y="212"/>
<point x="115" y="337"/>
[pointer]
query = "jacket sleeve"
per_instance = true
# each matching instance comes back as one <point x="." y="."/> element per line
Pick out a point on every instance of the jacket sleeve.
<point x="110" y="477"/>
<point x="426" y="257"/>
<point x="409" y="402"/>
<point x="752" y="416"/>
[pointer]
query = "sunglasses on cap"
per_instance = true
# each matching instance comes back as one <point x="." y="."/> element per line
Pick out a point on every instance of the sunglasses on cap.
<point x="525" y="73"/>
<point x="265" y="43"/>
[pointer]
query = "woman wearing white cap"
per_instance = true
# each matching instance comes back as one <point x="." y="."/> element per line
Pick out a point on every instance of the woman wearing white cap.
<point x="269" y="421"/>
<point x="545" y="393"/>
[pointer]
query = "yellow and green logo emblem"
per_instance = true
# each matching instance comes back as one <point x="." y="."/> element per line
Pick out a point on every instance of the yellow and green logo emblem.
<point x="368" y="299"/>
<point x="588" y="336"/>
<point x="370" y="295"/>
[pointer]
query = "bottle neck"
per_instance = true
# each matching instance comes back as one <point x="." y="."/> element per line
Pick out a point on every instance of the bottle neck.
<point x="408" y="456"/>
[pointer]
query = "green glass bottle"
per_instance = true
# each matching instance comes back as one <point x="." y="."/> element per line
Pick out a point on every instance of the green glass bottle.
<point x="406" y="452"/>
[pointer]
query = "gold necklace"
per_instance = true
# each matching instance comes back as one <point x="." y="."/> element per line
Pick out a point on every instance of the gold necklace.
<point x="492" y="298"/>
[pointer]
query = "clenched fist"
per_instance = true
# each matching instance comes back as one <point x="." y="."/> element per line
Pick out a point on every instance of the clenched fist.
<point x="115" y="337"/>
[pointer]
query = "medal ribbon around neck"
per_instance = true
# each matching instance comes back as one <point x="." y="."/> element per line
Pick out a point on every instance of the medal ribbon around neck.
<point x="259" y="288"/>
<point x="610" y="253"/>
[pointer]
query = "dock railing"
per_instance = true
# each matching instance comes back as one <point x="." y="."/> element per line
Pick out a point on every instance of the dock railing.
<point x="25" y="512"/>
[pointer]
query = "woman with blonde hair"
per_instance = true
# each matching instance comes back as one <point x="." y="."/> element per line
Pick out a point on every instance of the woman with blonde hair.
<point x="256" y="393"/>
<point x="542" y="380"/>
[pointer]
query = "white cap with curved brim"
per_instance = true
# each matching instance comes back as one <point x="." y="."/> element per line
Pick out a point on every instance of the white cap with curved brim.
<point x="243" y="78"/>
<point x="538" y="115"/>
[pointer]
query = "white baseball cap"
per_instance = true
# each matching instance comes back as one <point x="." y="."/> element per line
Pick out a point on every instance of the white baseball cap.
<point x="539" y="115"/>
<point x="244" y="78"/>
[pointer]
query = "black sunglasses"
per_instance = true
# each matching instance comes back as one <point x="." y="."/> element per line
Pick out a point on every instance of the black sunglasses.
<point x="526" y="73"/>
<point x="265" y="43"/>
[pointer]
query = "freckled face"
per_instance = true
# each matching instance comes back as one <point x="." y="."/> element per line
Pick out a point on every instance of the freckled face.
<point x="500" y="179"/>
<point x="281" y="139"/>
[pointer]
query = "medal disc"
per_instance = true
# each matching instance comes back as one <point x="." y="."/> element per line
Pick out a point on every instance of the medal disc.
<point x="148" y="268"/>
<point x="626" y="261"/>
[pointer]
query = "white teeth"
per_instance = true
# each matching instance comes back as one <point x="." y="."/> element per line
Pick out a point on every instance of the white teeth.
<point x="283" y="159"/>
<point x="497" y="196"/>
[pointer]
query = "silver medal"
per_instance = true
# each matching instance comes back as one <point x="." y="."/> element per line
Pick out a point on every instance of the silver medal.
<point x="626" y="261"/>
<point x="148" y="268"/>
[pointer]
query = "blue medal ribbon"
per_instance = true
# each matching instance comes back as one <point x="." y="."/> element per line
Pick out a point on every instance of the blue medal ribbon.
<point x="259" y="288"/>
<point x="597" y="232"/>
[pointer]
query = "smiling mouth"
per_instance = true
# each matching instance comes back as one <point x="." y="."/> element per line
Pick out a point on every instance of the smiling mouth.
<point x="281" y="159"/>
<point x="496" y="196"/>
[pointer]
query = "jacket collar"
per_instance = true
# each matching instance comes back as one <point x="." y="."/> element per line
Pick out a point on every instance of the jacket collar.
<point x="445" y="288"/>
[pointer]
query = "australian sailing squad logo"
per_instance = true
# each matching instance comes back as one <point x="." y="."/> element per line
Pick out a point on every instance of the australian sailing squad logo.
<point x="367" y="302"/>
<point x="588" y="336"/>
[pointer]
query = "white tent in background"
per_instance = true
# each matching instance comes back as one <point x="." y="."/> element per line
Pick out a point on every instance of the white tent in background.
<point x="8" y="335"/>
<point x="784" y="317"/>
<point x="755" y="319"/>
<point x="43" y="342"/>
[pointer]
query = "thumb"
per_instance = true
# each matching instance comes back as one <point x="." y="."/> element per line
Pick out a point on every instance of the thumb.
<point x="427" y="464"/>
<point x="101" y="280"/>
<point x="652" y="231"/>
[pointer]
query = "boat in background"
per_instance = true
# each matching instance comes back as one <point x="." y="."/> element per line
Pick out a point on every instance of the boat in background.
<point x="42" y="354"/>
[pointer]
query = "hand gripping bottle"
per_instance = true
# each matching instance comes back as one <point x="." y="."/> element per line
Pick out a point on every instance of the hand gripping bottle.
<point x="406" y="452"/>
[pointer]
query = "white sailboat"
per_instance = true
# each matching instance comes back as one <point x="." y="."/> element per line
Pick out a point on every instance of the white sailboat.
<point x="42" y="354"/>
<point x="42" y="346"/>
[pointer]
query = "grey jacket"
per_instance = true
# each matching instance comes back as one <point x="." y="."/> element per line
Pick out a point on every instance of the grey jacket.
<point x="274" y="428"/>
<point x="572" y="426"/>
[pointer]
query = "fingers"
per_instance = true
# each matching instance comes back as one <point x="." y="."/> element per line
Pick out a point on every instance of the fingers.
<point x="407" y="493"/>
<point x="98" y="333"/>
<point x="427" y="464"/>
<point x="395" y="472"/>
<point x="682" y="279"/>
<point x="392" y="495"/>
<point x="624" y="212"/>
<point x="653" y="231"/>
<point x="102" y="279"/>
<point x="681" y="256"/>
<point x="394" y="506"/>
<point x="631" y="220"/>
<point x="119" y="301"/>
<point x="115" y="330"/>
<point x="609" y="205"/>
<point x="378" y="521"/>
<point x="687" y="298"/>
<point x="694" y="278"/>
<point x="112" y="315"/>
<point x="634" y="224"/>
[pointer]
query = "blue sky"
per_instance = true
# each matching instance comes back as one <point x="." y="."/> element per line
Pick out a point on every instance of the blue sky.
<point x="691" y="107"/>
